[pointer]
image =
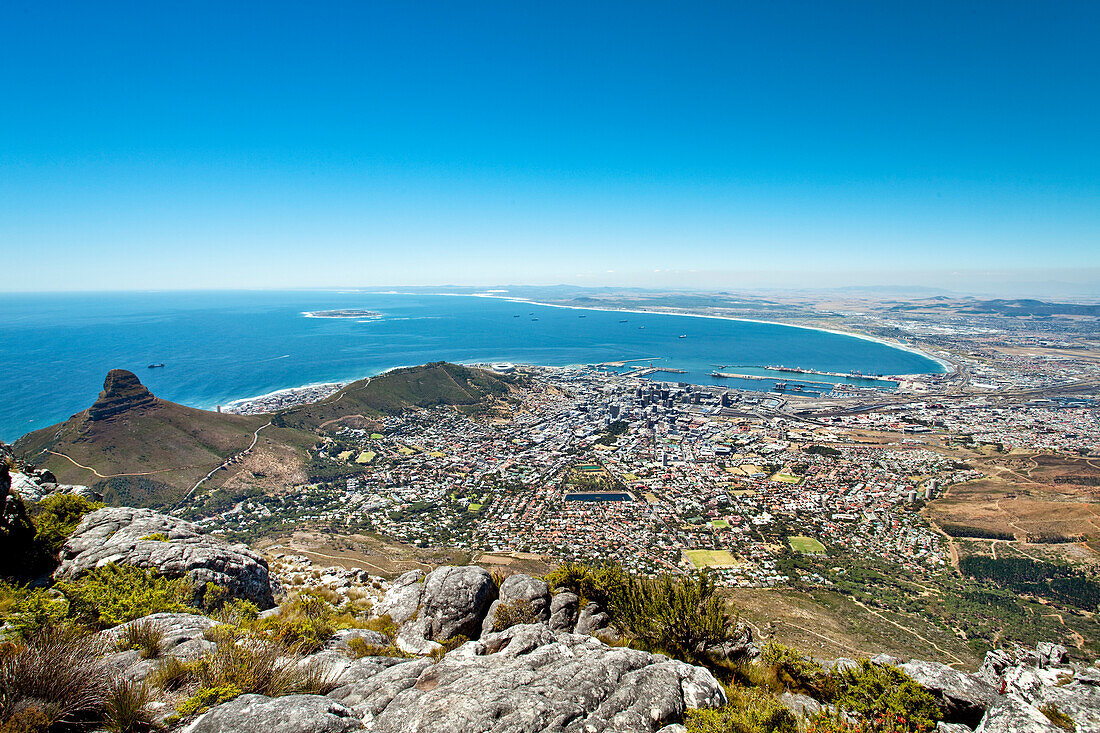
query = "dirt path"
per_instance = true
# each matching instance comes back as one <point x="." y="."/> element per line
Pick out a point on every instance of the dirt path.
<point x="115" y="475"/>
<point x="931" y="643"/>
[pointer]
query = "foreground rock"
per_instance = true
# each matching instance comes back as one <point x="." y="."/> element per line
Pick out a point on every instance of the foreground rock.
<point x="528" y="679"/>
<point x="132" y="537"/>
<point x="291" y="714"/>
<point x="963" y="698"/>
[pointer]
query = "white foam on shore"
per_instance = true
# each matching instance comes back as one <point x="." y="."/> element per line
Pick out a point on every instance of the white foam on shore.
<point x="892" y="344"/>
<point x="286" y="391"/>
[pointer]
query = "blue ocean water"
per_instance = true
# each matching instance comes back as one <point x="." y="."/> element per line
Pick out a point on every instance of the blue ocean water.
<point x="221" y="346"/>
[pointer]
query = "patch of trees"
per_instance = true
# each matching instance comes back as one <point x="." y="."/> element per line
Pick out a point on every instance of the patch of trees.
<point x="961" y="530"/>
<point x="1061" y="583"/>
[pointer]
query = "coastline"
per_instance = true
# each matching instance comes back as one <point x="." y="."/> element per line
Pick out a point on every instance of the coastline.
<point x="947" y="367"/>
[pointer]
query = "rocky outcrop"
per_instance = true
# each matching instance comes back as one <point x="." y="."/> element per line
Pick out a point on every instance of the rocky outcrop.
<point x="527" y="679"/>
<point x="131" y="537"/>
<point x="290" y="714"/>
<point x="592" y="619"/>
<point x="563" y="611"/>
<point x="963" y="698"/>
<point x="520" y="588"/>
<point x="122" y="392"/>
<point x="183" y="636"/>
<point x="447" y="602"/>
<point x="36" y="487"/>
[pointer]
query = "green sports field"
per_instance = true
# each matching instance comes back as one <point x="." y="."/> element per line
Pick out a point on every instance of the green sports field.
<point x="712" y="558"/>
<point x="808" y="545"/>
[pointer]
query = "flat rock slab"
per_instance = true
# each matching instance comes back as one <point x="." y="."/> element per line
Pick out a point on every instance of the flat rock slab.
<point x="290" y="714"/>
<point x="528" y="679"/>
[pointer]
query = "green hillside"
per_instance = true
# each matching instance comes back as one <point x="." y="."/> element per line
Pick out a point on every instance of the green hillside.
<point x="430" y="385"/>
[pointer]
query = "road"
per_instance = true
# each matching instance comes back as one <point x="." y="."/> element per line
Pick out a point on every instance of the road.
<point x="255" y="439"/>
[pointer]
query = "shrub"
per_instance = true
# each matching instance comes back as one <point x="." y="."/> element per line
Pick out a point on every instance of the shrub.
<point x="519" y="611"/>
<point x="788" y="669"/>
<point x="126" y="708"/>
<point x="748" y="711"/>
<point x="29" y="611"/>
<point x="304" y="624"/>
<point x="1057" y="717"/>
<point x="605" y="584"/>
<point x="114" y="594"/>
<point x="157" y="537"/>
<point x="57" y="675"/>
<point x="360" y="648"/>
<point x="383" y="624"/>
<point x="448" y="645"/>
<point x="145" y="636"/>
<point x="239" y="665"/>
<point x="681" y="617"/>
<point x="55" y="518"/>
<point x="880" y="690"/>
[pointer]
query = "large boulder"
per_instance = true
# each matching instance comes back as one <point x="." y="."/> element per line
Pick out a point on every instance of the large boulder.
<point x="520" y="588"/>
<point x="528" y="679"/>
<point x="447" y="602"/>
<point x="963" y="698"/>
<point x="135" y="537"/>
<point x="290" y="714"/>
<point x="564" y="609"/>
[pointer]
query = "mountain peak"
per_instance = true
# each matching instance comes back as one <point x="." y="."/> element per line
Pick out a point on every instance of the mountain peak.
<point x="122" y="391"/>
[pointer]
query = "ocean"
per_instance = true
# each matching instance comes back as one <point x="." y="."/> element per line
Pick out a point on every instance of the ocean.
<point x="221" y="346"/>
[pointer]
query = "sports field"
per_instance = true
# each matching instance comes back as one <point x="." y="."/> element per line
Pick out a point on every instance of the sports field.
<point x="808" y="545"/>
<point x="720" y="523"/>
<point x="712" y="558"/>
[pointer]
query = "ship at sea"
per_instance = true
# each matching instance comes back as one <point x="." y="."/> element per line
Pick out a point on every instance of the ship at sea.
<point x="156" y="366"/>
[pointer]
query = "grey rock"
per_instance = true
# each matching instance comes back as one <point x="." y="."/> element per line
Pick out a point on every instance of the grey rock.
<point x="802" y="706"/>
<point x="290" y="714"/>
<point x="886" y="659"/>
<point x="402" y="600"/>
<point x="591" y="619"/>
<point x="339" y="641"/>
<point x="447" y="602"/>
<point x="529" y="679"/>
<point x="1050" y="653"/>
<point x="673" y="728"/>
<point x="1080" y="701"/>
<point x="520" y="587"/>
<point x="1012" y="714"/>
<point x="962" y="697"/>
<point x="840" y="664"/>
<point x="370" y="684"/>
<point x="563" y="611"/>
<point x="115" y="535"/>
<point x="942" y="727"/>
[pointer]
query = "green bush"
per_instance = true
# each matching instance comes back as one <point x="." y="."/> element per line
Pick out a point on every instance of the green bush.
<point x="880" y="690"/>
<point x="748" y="711"/>
<point x="29" y="610"/>
<point x="679" y="616"/>
<point x="785" y="669"/>
<point x="604" y="584"/>
<point x="114" y="594"/>
<point x="145" y="636"/>
<point x="55" y="518"/>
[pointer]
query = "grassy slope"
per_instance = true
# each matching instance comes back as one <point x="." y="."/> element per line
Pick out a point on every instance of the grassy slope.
<point x="168" y="445"/>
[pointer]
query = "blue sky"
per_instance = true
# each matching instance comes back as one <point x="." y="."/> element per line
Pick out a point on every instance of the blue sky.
<point x="715" y="144"/>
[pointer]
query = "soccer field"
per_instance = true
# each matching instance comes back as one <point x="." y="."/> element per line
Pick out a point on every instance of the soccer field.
<point x="712" y="558"/>
<point x="806" y="544"/>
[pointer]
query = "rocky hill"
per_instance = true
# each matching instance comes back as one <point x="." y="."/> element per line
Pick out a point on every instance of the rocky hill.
<point x="136" y="449"/>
